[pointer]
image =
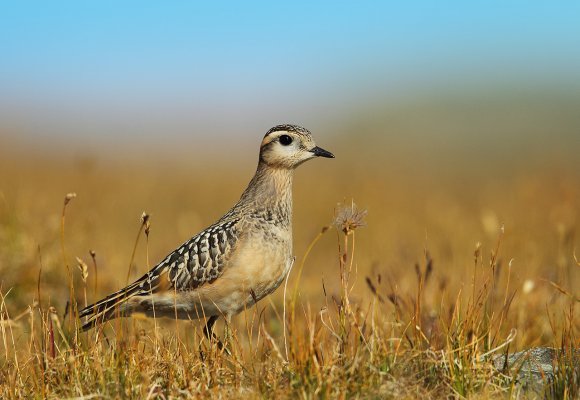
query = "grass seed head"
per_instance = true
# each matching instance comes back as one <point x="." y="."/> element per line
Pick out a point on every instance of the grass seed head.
<point x="83" y="267"/>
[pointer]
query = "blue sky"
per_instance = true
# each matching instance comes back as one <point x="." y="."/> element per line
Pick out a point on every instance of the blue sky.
<point x="74" y="65"/>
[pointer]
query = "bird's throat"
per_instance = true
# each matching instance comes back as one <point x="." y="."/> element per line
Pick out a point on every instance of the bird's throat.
<point x="270" y="187"/>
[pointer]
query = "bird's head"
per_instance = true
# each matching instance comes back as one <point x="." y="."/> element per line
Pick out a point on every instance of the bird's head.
<point x="288" y="146"/>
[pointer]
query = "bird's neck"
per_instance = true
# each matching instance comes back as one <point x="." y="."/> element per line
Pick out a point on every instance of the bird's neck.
<point x="270" y="188"/>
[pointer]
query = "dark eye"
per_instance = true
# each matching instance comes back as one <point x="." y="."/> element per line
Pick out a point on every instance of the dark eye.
<point x="285" y="140"/>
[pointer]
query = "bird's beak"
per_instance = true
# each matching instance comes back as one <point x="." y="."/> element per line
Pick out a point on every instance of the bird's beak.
<point x="318" y="152"/>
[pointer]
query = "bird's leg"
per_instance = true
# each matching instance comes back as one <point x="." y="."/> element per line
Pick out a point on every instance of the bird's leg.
<point x="208" y="330"/>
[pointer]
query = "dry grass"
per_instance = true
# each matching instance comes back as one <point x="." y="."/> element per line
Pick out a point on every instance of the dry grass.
<point x="450" y="269"/>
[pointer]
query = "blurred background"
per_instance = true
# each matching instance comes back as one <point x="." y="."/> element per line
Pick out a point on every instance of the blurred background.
<point x="448" y="120"/>
<point x="101" y="78"/>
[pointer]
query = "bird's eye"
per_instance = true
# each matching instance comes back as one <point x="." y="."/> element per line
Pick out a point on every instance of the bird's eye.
<point x="285" y="140"/>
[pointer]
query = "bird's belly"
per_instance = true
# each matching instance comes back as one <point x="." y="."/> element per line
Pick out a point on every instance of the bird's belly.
<point x="233" y="292"/>
<point x="257" y="270"/>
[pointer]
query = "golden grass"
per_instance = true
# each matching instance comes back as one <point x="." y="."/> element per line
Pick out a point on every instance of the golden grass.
<point x="453" y="266"/>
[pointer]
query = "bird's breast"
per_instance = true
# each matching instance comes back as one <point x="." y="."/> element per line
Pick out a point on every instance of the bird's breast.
<point x="260" y="262"/>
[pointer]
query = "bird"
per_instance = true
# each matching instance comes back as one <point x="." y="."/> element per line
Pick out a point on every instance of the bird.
<point x="235" y="262"/>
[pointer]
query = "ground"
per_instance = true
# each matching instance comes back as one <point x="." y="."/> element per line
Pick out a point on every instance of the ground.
<point x="441" y="269"/>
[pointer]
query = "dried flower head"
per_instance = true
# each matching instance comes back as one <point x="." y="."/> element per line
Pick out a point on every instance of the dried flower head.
<point x="145" y="218"/>
<point x="145" y="222"/>
<point x="69" y="197"/>
<point x="528" y="286"/>
<point x="349" y="217"/>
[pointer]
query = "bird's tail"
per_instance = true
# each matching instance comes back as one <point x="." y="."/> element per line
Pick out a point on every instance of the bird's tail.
<point x="113" y="306"/>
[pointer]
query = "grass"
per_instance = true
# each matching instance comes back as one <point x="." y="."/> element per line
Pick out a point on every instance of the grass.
<point x="411" y="300"/>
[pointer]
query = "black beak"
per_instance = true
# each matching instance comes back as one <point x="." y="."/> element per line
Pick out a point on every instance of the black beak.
<point x="318" y="152"/>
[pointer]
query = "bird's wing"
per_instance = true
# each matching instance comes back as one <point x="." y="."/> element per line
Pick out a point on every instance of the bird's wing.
<point x="198" y="261"/>
<point x="201" y="259"/>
